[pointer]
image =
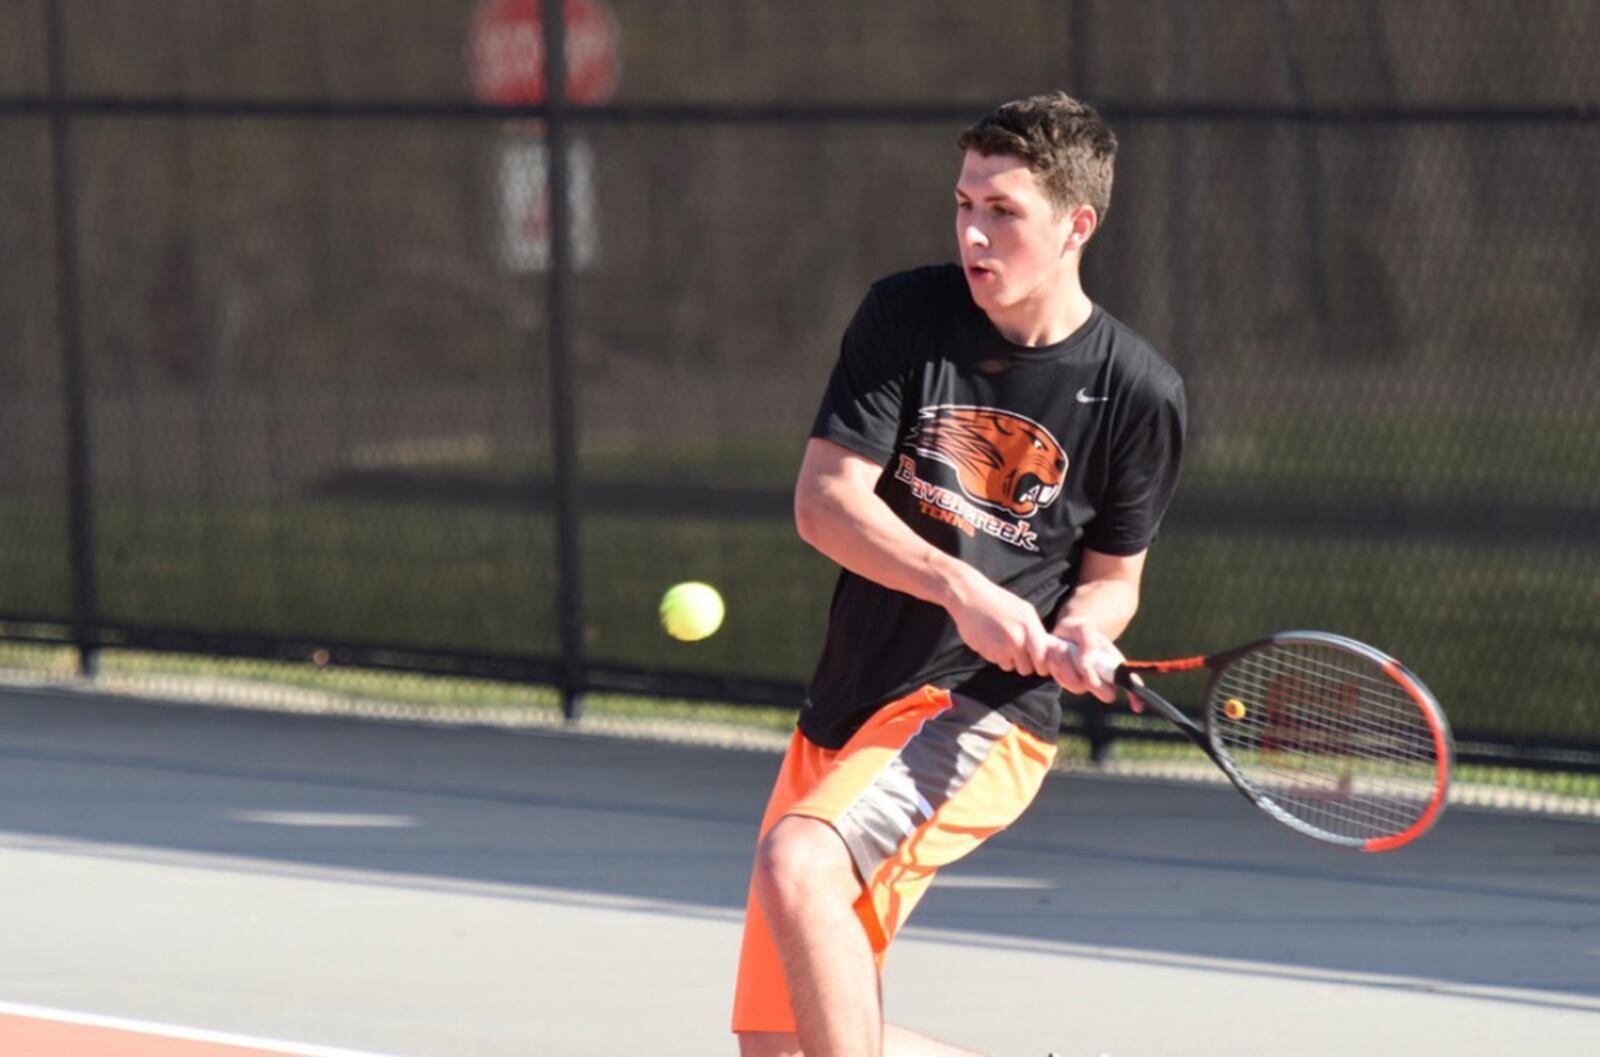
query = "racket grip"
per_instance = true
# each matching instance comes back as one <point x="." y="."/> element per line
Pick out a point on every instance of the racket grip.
<point x="1107" y="668"/>
<point x="1104" y="666"/>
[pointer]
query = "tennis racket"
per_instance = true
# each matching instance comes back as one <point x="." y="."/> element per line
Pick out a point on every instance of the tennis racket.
<point x="1331" y="737"/>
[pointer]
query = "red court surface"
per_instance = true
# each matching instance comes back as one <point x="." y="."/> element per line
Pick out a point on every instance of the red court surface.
<point x="34" y="1032"/>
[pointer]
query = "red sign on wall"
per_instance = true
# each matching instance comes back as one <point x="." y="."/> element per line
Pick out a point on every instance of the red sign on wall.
<point x="508" y="52"/>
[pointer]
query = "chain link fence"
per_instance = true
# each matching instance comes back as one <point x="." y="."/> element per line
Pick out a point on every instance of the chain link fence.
<point x="298" y="367"/>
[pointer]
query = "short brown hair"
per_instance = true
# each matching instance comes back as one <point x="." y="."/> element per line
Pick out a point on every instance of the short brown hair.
<point x="1063" y="142"/>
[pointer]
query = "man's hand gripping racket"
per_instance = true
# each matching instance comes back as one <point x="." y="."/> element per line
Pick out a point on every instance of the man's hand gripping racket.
<point x="1328" y="735"/>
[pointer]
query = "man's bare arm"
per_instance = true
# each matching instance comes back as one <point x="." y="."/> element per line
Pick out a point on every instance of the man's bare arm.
<point x="838" y="513"/>
<point x="1098" y="611"/>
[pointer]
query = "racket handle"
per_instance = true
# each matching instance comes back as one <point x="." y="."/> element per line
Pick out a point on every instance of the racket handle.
<point x="1105" y="666"/>
<point x="1108" y="668"/>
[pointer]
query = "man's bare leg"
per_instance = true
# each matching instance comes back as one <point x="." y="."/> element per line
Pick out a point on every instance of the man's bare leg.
<point x="897" y="1042"/>
<point x="769" y="1044"/>
<point x="808" y="886"/>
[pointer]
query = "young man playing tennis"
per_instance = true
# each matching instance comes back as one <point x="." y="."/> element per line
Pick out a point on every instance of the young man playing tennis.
<point x="991" y="461"/>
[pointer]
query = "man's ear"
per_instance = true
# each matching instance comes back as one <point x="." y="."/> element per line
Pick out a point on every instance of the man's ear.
<point x="1083" y="220"/>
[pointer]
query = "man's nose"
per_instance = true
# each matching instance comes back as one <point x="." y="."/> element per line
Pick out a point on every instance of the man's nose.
<point x="973" y="236"/>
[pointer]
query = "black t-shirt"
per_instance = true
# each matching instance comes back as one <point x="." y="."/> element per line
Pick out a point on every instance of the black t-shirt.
<point x="1012" y="458"/>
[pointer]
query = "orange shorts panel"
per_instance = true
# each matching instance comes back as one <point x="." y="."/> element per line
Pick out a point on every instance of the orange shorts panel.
<point x="926" y="780"/>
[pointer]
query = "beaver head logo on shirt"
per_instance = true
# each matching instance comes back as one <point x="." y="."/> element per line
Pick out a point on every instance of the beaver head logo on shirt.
<point x="1002" y="459"/>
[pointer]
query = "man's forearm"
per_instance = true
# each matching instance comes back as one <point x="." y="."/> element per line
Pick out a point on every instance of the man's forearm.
<point x="1109" y="605"/>
<point x="862" y="534"/>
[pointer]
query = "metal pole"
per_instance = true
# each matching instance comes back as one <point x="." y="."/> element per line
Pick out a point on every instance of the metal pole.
<point x="80" y="506"/>
<point x="1310" y="183"/>
<point x="563" y="394"/>
<point x="1182" y="233"/>
<point x="1081" y="48"/>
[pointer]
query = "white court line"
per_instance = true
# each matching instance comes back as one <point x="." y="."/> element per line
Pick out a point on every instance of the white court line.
<point x="322" y="819"/>
<point x="958" y="880"/>
<point x="143" y="1027"/>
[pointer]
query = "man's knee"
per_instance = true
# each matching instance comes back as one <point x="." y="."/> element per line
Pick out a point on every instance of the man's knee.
<point x="768" y="1044"/>
<point x="801" y="863"/>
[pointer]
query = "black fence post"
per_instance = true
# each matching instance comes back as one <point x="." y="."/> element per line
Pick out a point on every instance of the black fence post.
<point x="1081" y="49"/>
<point x="563" y="393"/>
<point x="80" y="505"/>
<point x="1307" y="147"/>
<point x="1092" y="723"/>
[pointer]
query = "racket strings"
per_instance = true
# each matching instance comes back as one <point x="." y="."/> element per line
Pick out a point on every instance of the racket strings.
<point x="1329" y="736"/>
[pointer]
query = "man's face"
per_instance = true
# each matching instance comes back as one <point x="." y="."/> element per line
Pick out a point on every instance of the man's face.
<point x="1013" y="246"/>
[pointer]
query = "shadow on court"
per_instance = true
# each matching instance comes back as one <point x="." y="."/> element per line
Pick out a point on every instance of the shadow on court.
<point x="1486" y="900"/>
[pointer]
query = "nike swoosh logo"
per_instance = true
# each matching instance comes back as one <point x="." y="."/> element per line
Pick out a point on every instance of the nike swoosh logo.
<point x="1085" y="398"/>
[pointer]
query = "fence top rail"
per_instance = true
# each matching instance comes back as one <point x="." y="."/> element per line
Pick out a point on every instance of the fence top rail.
<point x="818" y="113"/>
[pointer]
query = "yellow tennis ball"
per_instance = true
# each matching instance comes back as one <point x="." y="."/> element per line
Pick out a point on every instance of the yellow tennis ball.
<point x="691" y="611"/>
<point x="1233" y="708"/>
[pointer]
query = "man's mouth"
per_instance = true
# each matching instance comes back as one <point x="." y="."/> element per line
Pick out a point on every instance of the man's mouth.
<point x="978" y="271"/>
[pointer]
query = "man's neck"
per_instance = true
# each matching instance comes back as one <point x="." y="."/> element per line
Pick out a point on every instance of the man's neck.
<point x="1045" y="318"/>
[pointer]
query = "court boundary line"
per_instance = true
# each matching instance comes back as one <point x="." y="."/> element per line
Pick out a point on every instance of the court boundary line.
<point x="177" y="1031"/>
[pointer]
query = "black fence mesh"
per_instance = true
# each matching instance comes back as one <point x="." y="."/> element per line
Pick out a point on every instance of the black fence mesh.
<point x="305" y="276"/>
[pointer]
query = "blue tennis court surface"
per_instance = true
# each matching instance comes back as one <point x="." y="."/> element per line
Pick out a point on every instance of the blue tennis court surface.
<point x="449" y="892"/>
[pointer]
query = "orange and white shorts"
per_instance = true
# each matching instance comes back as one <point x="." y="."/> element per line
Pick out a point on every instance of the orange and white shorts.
<point x="925" y="781"/>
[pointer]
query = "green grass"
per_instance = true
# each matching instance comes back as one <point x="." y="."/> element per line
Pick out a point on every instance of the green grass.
<point x="1509" y="455"/>
<point x="476" y="580"/>
<point x="758" y="462"/>
<point x="1505" y="636"/>
<point x="35" y="558"/>
<point x="1556" y="783"/>
<point x="1506" y="639"/>
<point x="359" y="686"/>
